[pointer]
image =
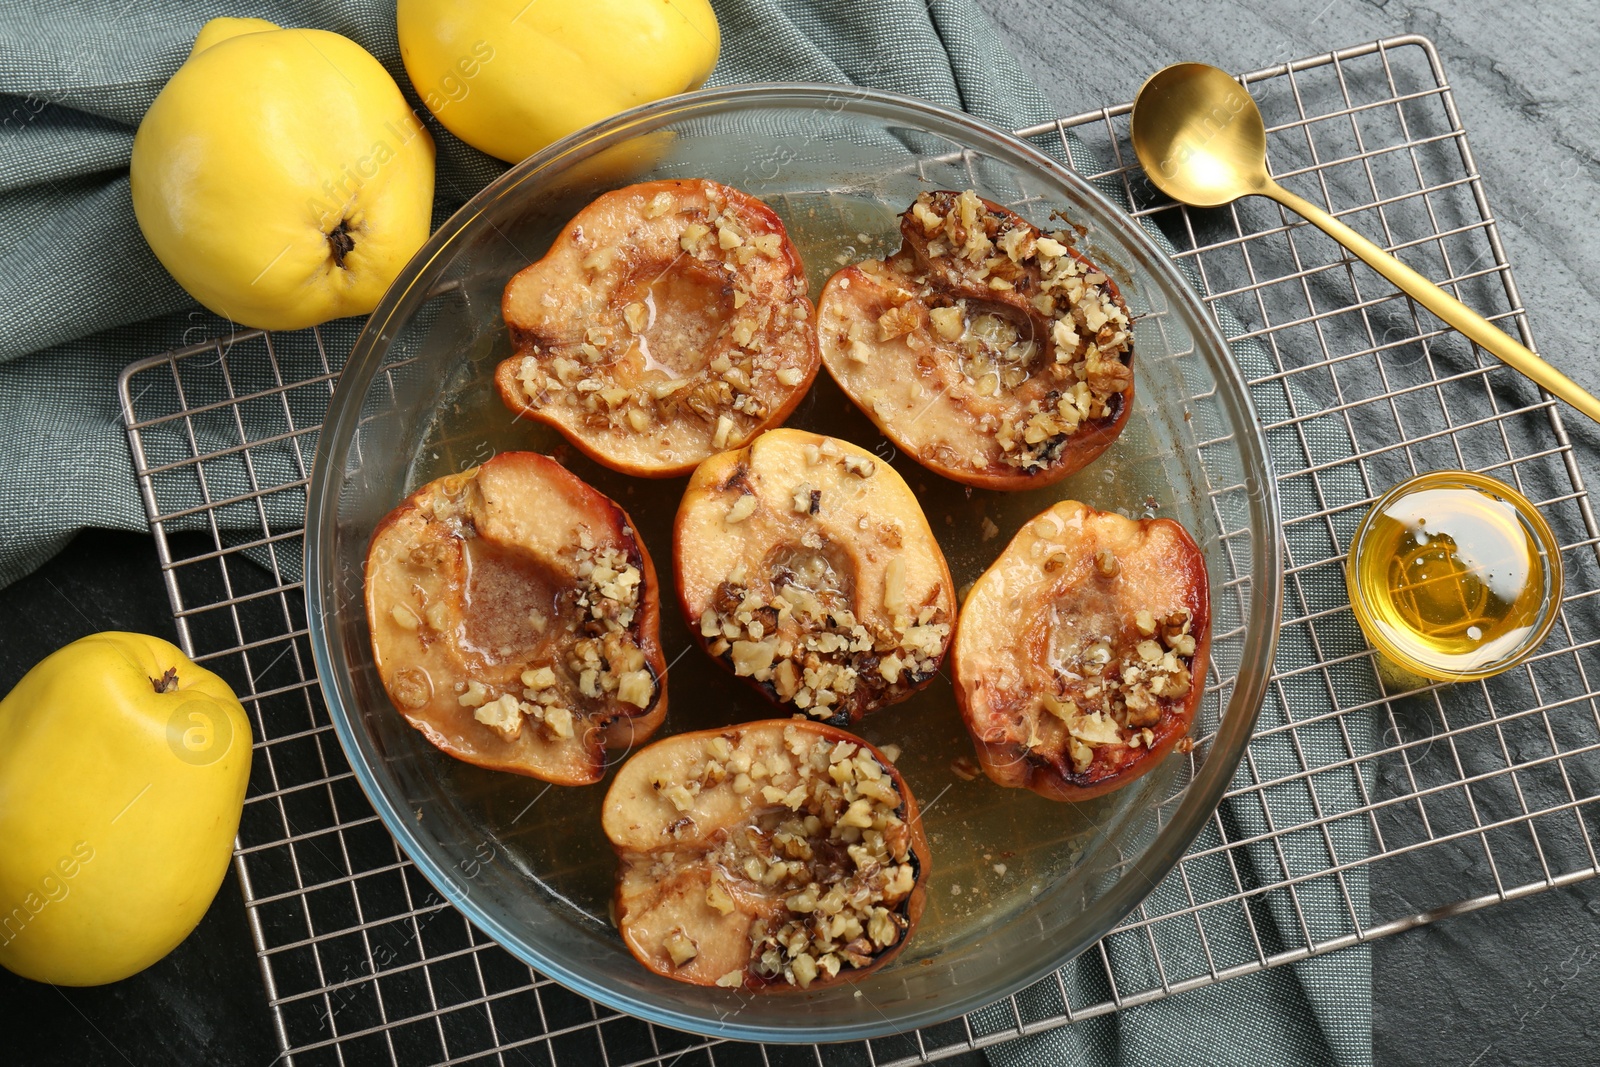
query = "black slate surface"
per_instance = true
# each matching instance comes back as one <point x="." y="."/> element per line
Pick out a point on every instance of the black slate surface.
<point x="1514" y="983"/>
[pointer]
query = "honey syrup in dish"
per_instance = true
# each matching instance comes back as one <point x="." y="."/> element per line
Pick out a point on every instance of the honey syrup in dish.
<point x="1452" y="577"/>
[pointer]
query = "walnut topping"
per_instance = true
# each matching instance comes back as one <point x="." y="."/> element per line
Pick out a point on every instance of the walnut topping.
<point x="542" y="702"/>
<point x="860" y="466"/>
<point x="605" y="660"/>
<point x="1033" y="376"/>
<point x="812" y="651"/>
<point x="742" y="347"/>
<point x="826" y="833"/>
<point x="831" y="597"/>
<point x="680" y="947"/>
<point x="719" y="438"/>
<point x="948" y="322"/>
<point x="636" y="688"/>
<point x="503" y="715"/>
<point x="659" y="205"/>
<point x="1114" y="701"/>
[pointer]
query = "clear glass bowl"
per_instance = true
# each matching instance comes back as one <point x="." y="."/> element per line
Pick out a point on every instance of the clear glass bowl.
<point x="1018" y="884"/>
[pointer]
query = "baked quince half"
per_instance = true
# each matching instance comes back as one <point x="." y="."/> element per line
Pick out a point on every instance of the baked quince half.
<point x="515" y="619"/>
<point x="766" y="855"/>
<point x="988" y="351"/>
<point x="668" y="321"/>
<point x="1081" y="653"/>
<point x="805" y="564"/>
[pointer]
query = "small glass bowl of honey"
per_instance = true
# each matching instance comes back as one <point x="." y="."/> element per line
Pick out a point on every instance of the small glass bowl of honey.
<point x="1454" y="576"/>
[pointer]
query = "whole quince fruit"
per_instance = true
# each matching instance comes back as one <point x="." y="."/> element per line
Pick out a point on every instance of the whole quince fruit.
<point x="280" y="175"/>
<point x="509" y="77"/>
<point x="122" y="776"/>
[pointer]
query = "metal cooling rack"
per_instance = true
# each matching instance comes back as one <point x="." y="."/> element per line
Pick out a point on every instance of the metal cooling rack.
<point x="363" y="961"/>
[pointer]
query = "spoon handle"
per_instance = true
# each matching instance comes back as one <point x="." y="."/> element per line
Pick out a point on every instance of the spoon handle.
<point x="1441" y="303"/>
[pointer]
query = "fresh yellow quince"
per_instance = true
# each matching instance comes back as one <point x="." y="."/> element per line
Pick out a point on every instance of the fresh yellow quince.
<point x="509" y="76"/>
<point x="123" y="768"/>
<point x="280" y="176"/>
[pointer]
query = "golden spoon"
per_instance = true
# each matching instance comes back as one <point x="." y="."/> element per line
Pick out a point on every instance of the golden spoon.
<point x="1201" y="140"/>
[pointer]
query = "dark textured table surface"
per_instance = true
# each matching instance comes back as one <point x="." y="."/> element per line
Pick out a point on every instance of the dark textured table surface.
<point x="1514" y="983"/>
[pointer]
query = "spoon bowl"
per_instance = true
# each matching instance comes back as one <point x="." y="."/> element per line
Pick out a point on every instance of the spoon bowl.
<point x="1199" y="136"/>
<point x="1201" y="141"/>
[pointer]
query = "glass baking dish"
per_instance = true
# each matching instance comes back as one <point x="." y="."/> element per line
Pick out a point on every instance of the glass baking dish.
<point x="1019" y="884"/>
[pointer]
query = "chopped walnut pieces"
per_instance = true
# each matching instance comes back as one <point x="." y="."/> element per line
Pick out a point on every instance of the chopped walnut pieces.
<point x="693" y="235"/>
<point x="821" y="861"/>
<point x="659" y="205"/>
<point x="502" y="715"/>
<point x="560" y="722"/>
<point x="636" y="688"/>
<point x="860" y="466"/>
<point x="679" y="946"/>
<point x="897" y="322"/>
<point x="1123" y="696"/>
<point x="1068" y="683"/>
<point x="793" y="600"/>
<point x="692" y="276"/>
<point x="637" y="316"/>
<point x="526" y="628"/>
<point x="538" y="678"/>
<point x="1023" y="341"/>
<point x="751" y="657"/>
<point x="818" y="657"/>
<point x="948" y="322"/>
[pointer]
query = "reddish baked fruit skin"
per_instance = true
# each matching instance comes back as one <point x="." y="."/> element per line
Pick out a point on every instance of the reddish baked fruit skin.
<point x="924" y="326"/>
<point x="668" y="321"/>
<point x="474" y="589"/>
<point x="1027" y="661"/>
<point x="685" y="904"/>
<point x="834" y="561"/>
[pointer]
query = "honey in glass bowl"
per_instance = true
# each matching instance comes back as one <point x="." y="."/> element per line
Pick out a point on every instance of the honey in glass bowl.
<point x="1454" y="576"/>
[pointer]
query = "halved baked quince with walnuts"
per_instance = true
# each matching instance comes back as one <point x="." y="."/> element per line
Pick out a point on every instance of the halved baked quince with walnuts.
<point x="1081" y="653"/>
<point x="763" y="855"/>
<point x="668" y="321"/>
<point x="990" y="352"/>
<point x="515" y="619"/>
<point x="806" y="565"/>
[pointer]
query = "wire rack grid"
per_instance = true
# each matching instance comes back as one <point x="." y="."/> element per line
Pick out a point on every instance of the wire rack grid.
<point x="364" y="961"/>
